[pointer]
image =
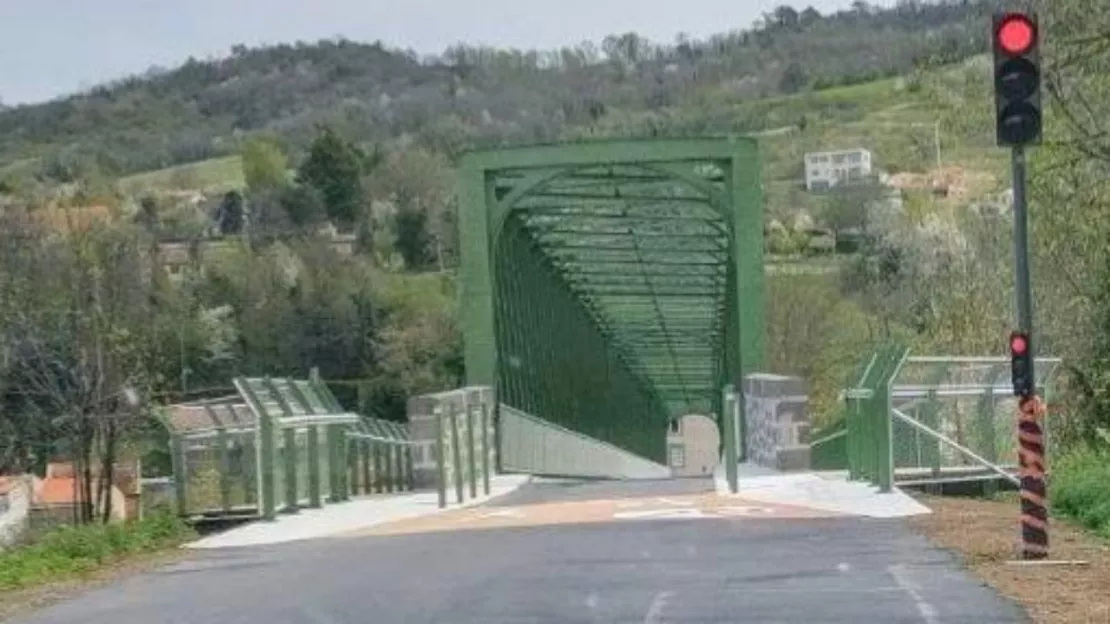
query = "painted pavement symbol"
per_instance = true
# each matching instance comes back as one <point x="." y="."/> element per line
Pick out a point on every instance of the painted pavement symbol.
<point x="682" y="514"/>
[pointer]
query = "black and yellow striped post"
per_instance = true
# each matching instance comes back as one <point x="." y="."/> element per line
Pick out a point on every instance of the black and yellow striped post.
<point x="1031" y="458"/>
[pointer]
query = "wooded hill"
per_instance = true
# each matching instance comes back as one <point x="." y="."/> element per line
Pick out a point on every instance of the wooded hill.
<point x="469" y="95"/>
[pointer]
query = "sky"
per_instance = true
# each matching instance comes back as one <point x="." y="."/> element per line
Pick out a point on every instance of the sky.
<point x="54" y="47"/>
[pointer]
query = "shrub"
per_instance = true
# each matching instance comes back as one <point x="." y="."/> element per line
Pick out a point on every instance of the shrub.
<point x="76" y="550"/>
<point x="1081" y="488"/>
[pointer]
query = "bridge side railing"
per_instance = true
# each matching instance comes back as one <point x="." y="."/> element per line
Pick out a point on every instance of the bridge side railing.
<point x="454" y="442"/>
<point x="867" y="416"/>
<point x="923" y="419"/>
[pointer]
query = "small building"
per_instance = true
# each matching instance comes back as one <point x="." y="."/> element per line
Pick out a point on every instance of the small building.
<point x="57" y="496"/>
<point x="825" y="170"/>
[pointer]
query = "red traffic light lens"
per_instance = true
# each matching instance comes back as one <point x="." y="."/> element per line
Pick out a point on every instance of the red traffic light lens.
<point x="1016" y="34"/>
<point x="1018" y="345"/>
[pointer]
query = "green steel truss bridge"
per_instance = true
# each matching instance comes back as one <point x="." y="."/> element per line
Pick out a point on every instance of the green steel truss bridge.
<point x="609" y="286"/>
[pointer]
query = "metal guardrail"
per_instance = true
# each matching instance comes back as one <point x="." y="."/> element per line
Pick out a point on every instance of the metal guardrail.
<point x="934" y="416"/>
<point x="454" y="437"/>
<point x="868" y="419"/>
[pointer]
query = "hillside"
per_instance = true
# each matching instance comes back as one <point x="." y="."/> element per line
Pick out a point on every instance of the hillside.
<point x="468" y="96"/>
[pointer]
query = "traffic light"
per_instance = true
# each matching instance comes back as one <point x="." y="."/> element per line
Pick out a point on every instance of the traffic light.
<point x="1021" y="364"/>
<point x="1017" y="79"/>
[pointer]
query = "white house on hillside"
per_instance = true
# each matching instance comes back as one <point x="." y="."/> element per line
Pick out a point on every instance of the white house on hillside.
<point x="827" y="169"/>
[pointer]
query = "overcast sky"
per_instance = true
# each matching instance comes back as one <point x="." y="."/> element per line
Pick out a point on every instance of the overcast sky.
<point x="53" y="47"/>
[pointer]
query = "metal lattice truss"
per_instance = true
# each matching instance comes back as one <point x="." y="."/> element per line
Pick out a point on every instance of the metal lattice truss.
<point x="616" y="280"/>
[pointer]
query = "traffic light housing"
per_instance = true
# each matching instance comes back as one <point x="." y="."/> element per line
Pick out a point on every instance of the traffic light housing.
<point x="1017" y="79"/>
<point x="1021" y="364"/>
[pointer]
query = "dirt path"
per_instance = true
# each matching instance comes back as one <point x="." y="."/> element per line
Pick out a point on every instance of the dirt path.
<point x="985" y="533"/>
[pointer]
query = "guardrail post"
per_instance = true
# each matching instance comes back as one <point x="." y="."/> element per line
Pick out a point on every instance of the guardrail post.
<point x="390" y="468"/>
<point x="728" y="423"/>
<point x="379" y="477"/>
<point x="314" y="499"/>
<point x="269" y="495"/>
<point x="354" y="467"/>
<point x="289" y="439"/>
<point x="441" y="459"/>
<point x="364" y="465"/>
<point x="456" y="452"/>
<point x="471" y="449"/>
<point x="895" y="357"/>
<point x="485" y="448"/>
<point x="180" y="473"/>
<point x="399" y="473"/>
<point x="225" y="470"/>
<point x="410" y="463"/>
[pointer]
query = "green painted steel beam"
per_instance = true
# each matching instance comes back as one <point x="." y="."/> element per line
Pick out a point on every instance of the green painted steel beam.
<point x="655" y="262"/>
<point x="585" y="281"/>
<point x="577" y="269"/>
<point x="716" y="251"/>
<point x="616" y="152"/>
<point x="561" y="230"/>
<point x="642" y="215"/>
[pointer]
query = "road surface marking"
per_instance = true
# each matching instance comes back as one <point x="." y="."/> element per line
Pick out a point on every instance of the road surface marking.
<point x="675" y="507"/>
<point x="928" y="612"/>
<point x="655" y="611"/>
<point x="674" y="503"/>
<point x="504" y="513"/>
<point x="743" y="510"/>
<point x="660" y="514"/>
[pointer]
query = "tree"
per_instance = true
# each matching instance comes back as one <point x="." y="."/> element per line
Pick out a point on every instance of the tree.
<point x="334" y="169"/>
<point x="420" y="184"/>
<point x="809" y="17"/>
<point x="413" y="241"/>
<point x="265" y="165"/>
<point x="78" y="349"/>
<point x="304" y="205"/>
<point x="793" y="79"/>
<point x="785" y="17"/>
<point x="848" y="205"/>
<point x="147" y="217"/>
<point x="229" y="216"/>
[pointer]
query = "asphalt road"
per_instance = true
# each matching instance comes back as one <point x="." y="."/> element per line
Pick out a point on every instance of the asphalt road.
<point x="706" y="570"/>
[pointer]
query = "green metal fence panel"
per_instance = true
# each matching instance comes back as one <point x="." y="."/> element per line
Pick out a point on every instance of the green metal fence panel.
<point x="956" y="416"/>
<point x="868" y="424"/>
<point x="829" y="448"/>
<point x="255" y="452"/>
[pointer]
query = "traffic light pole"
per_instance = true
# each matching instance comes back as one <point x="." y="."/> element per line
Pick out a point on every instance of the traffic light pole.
<point x="1021" y="248"/>
<point x="1031" y="453"/>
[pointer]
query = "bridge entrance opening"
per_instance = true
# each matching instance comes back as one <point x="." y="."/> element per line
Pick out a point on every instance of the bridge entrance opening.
<point x="611" y="286"/>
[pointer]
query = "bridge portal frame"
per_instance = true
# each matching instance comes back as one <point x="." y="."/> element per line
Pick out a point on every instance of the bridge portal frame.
<point x="486" y="204"/>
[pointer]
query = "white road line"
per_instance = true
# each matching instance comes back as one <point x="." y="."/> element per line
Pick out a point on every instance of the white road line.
<point x="928" y="612"/>
<point x="681" y="503"/>
<point x="655" y="611"/>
